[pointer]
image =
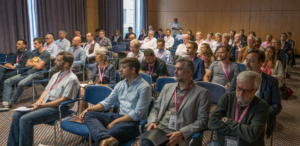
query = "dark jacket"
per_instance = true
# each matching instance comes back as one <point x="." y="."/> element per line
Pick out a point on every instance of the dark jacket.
<point x="269" y="91"/>
<point x="281" y="56"/>
<point x="120" y="39"/>
<point x="199" y="69"/>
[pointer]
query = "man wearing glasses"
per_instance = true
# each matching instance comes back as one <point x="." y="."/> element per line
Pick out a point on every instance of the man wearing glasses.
<point x="50" y="46"/>
<point x="135" y="50"/>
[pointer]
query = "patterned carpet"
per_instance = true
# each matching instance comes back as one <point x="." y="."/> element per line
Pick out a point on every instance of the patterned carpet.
<point x="287" y="130"/>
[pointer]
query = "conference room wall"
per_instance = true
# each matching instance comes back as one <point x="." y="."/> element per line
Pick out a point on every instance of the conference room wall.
<point x="92" y="16"/>
<point x="262" y="16"/>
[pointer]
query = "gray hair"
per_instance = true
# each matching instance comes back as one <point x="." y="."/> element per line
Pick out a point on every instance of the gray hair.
<point x="151" y="32"/>
<point x="250" y="75"/>
<point x="189" y="65"/>
<point x="219" y="34"/>
<point x="136" y="42"/>
<point x="187" y="35"/>
<point x="103" y="51"/>
<point x="253" y="37"/>
<point x="63" y="31"/>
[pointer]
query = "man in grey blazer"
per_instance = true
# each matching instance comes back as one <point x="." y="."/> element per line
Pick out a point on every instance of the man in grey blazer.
<point x="182" y="108"/>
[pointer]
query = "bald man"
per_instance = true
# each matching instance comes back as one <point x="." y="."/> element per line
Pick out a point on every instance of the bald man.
<point x="50" y="46"/>
<point x="132" y="37"/>
<point x="181" y="49"/>
<point x="149" y="42"/>
<point x="78" y="53"/>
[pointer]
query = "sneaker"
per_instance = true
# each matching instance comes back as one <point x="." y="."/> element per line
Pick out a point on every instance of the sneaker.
<point x="4" y="107"/>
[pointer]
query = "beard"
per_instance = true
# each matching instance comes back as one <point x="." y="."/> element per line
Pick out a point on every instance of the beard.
<point x="58" y="67"/>
<point x="241" y="100"/>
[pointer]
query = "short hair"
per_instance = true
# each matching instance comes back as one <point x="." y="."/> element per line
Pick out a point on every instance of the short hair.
<point x="63" y="31"/>
<point x="194" y="44"/>
<point x="76" y="29"/>
<point x="161" y="40"/>
<point x="233" y="31"/>
<point x="149" y="52"/>
<point x="258" y="39"/>
<point x="180" y="28"/>
<point x="130" y="27"/>
<point x="137" y="42"/>
<point x="260" y="54"/>
<point x="102" y="30"/>
<point x="250" y="75"/>
<point x="270" y="36"/>
<point x="284" y="34"/>
<point x="90" y="33"/>
<point x="189" y="65"/>
<point x="253" y="33"/>
<point x="289" y="33"/>
<point x="50" y="34"/>
<point x="103" y="51"/>
<point x="24" y="41"/>
<point x="219" y="34"/>
<point x="226" y="36"/>
<point x="242" y="30"/>
<point x="151" y="32"/>
<point x="67" y="57"/>
<point x="211" y="34"/>
<point x="159" y="29"/>
<point x="224" y="47"/>
<point x="98" y="29"/>
<point x="132" y="62"/>
<point x="168" y="30"/>
<point x="199" y="32"/>
<point x="187" y="35"/>
<point x="40" y="40"/>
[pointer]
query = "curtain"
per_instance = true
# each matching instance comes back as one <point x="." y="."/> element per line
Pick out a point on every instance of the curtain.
<point x="14" y="24"/>
<point x="144" y="14"/>
<point x="110" y="16"/>
<point x="55" y="15"/>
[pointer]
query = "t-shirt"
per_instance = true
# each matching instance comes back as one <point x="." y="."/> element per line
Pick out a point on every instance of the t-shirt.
<point x="218" y="75"/>
<point x="36" y="57"/>
<point x="160" y="69"/>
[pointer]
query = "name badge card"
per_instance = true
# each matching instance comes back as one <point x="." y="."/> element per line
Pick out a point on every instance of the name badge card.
<point x="231" y="141"/>
<point x="172" y="122"/>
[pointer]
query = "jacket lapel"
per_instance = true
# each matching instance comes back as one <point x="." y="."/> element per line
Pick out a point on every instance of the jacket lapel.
<point x="263" y="84"/>
<point x="189" y="95"/>
<point x="169" y="96"/>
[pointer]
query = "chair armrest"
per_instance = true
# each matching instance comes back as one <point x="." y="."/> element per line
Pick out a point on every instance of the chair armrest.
<point x="69" y="101"/>
<point x="43" y="71"/>
<point x="197" y="134"/>
<point x="144" y="122"/>
<point x="26" y="68"/>
<point x="112" y="85"/>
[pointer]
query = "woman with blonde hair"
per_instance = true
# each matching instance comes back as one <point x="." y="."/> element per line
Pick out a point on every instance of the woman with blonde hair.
<point x="117" y="37"/>
<point x="206" y="55"/>
<point x="280" y="54"/>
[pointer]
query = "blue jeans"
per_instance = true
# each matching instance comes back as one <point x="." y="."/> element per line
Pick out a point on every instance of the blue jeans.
<point x="5" y="74"/>
<point x="22" y="80"/>
<point x="98" y="121"/>
<point x="21" y="130"/>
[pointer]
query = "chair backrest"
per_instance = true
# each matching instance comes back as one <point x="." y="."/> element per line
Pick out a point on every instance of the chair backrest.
<point x="146" y="77"/>
<point x="241" y="66"/>
<point x="9" y="58"/>
<point x="176" y="43"/>
<point x="160" y="82"/>
<point x="236" y="54"/>
<point x="2" y="57"/>
<point x="215" y="90"/>
<point x="171" y="69"/>
<point x="92" y="95"/>
<point x="110" y="55"/>
<point x="118" y="78"/>
<point x="126" y="44"/>
<point x="119" y="48"/>
<point x="113" y="43"/>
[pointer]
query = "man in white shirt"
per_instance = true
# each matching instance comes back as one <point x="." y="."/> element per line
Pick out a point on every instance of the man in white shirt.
<point x="90" y="46"/>
<point x="199" y="40"/>
<point x="176" y="26"/>
<point x="218" y="41"/>
<point x="169" y="40"/>
<point x="162" y="52"/>
<point x="135" y="50"/>
<point x="209" y="40"/>
<point x="62" y="43"/>
<point x="50" y="45"/>
<point x="180" y="35"/>
<point x="181" y="49"/>
<point x="149" y="42"/>
<point x="231" y="40"/>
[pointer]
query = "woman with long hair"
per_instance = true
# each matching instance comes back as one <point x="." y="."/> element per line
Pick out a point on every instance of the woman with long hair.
<point x="206" y="55"/>
<point x="117" y="37"/>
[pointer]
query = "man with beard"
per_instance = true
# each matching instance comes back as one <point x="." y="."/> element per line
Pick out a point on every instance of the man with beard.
<point x="240" y="117"/>
<point x="224" y="71"/>
<point x="62" y="43"/>
<point x="269" y="89"/>
<point x="63" y="86"/>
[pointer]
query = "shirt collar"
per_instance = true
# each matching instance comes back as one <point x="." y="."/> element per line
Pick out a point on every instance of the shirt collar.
<point x="137" y="79"/>
<point x="63" y="73"/>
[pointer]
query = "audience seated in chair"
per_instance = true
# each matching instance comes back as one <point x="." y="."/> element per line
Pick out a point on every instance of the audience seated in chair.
<point x="169" y="40"/>
<point x="224" y="71"/>
<point x="206" y="55"/>
<point x="243" y="37"/>
<point x="129" y="33"/>
<point x="232" y="49"/>
<point x="162" y="53"/>
<point x="218" y="42"/>
<point x="62" y="43"/>
<point x="231" y="38"/>
<point x="181" y="49"/>
<point x="109" y="128"/>
<point x="116" y="37"/>
<point x="104" y="41"/>
<point x="198" y="63"/>
<point x="209" y="40"/>
<point x="160" y="34"/>
<point x="50" y="46"/>
<point x="238" y="42"/>
<point x="268" y="41"/>
<point x="90" y="46"/>
<point x="199" y="40"/>
<point x="240" y="117"/>
<point x="169" y="113"/>
<point x="135" y="50"/>
<point x="269" y="89"/>
<point x="149" y="42"/>
<point x="83" y="38"/>
<point x="280" y="54"/>
<point x="103" y="73"/>
<point x="142" y="36"/>
<point x="18" y="62"/>
<point x="153" y="66"/>
<point x="176" y="26"/>
<point x="180" y="35"/>
<point x="243" y="53"/>
<point x="38" y="61"/>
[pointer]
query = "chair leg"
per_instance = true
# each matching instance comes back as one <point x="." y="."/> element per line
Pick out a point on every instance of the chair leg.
<point x="62" y="137"/>
<point x="271" y="143"/>
<point x="212" y="135"/>
<point x="55" y="140"/>
<point x="90" y="139"/>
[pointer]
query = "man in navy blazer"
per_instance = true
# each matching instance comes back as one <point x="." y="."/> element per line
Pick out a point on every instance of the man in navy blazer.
<point x="285" y="45"/>
<point x="269" y="89"/>
<point x="191" y="49"/>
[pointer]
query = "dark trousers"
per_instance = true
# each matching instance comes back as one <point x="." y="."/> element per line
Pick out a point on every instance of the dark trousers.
<point x="98" y="121"/>
<point x="5" y="74"/>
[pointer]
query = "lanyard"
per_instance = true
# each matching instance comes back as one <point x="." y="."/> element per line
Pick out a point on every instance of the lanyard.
<point x="282" y="44"/>
<point x="167" y="38"/>
<point x="101" y="75"/>
<point x="88" y="46"/>
<point x="148" y="40"/>
<point x="59" y="79"/>
<point x="204" y="58"/>
<point x="228" y="70"/>
<point x="75" y="51"/>
<point x="116" y="38"/>
<point x="47" y="46"/>
<point x="150" y="72"/>
<point x="21" y="56"/>
<point x="160" y="54"/>
<point x="177" y="105"/>
<point x="159" y="36"/>
<point x="242" y="115"/>
<point x="100" y="41"/>
<point x="200" y="42"/>
<point x="61" y="43"/>
<point x="264" y="69"/>
<point x="193" y="59"/>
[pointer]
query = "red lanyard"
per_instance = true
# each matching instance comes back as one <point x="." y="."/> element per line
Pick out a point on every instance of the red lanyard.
<point x="100" y="41"/>
<point x="160" y="54"/>
<point x="47" y="46"/>
<point x="228" y="70"/>
<point x="148" y="40"/>
<point x="167" y="38"/>
<point x="88" y="46"/>
<point x="204" y="58"/>
<point x="61" y="43"/>
<point x="242" y="115"/>
<point x="101" y="75"/>
<point x="264" y="69"/>
<point x="150" y="72"/>
<point x="21" y="56"/>
<point x="59" y="80"/>
<point x="177" y="105"/>
<point x="193" y="59"/>
<point x="75" y="51"/>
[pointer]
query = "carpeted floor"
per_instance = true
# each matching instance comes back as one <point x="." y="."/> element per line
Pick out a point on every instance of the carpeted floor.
<point x="287" y="130"/>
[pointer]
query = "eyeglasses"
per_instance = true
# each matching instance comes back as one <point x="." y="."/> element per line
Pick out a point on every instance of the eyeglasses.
<point x="238" y="89"/>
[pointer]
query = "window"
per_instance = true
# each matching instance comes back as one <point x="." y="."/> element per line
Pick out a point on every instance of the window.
<point x="131" y="9"/>
<point x="32" y="21"/>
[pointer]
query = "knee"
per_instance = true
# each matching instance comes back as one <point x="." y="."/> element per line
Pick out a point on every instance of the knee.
<point x="16" y="116"/>
<point x="7" y="82"/>
<point x="24" y="120"/>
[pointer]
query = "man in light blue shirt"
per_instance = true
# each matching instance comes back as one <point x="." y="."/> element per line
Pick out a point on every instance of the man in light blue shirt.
<point x="78" y="53"/>
<point x="134" y="96"/>
<point x="162" y="53"/>
<point x="62" y="43"/>
<point x="50" y="45"/>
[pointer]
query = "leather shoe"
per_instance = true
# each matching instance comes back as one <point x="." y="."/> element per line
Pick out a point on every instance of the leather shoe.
<point x="111" y="141"/>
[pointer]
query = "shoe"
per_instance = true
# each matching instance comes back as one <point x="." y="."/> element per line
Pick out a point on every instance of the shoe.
<point x="4" y="107"/>
<point x="109" y="142"/>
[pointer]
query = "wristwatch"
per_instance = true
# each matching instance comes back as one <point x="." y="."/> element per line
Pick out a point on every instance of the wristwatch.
<point x="225" y="120"/>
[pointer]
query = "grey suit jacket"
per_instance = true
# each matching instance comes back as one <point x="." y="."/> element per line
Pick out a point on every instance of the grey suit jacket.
<point x="192" y="115"/>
